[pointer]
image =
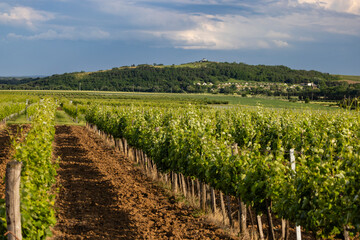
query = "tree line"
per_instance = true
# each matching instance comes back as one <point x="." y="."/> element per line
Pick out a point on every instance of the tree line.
<point x="191" y="78"/>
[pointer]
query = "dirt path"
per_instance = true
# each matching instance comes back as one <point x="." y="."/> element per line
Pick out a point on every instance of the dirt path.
<point x="6" y="151"/>
<point x="103" y="196"/>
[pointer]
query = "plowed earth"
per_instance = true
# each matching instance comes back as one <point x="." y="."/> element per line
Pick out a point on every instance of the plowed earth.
<point x="102" y="195"/>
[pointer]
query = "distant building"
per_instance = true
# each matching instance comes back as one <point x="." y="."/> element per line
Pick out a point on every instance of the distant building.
<point x="313" y="85"/>
<point x="204" y="60"/>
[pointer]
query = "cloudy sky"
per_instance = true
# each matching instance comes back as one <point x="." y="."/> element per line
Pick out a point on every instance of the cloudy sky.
<point x="44" y="37"/>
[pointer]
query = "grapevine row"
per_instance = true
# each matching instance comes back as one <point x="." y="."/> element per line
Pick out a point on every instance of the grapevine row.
<point x="321" y="196"/>
<point x="38" y="173"/>
<point x="10" y="105"/>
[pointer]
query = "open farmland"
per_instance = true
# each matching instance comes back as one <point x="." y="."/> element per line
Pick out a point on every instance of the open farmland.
<point x="114" y="175"/>
<point x="349" y="79"/>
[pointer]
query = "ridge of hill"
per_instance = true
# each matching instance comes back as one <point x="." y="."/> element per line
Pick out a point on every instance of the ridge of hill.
<point x="189" y="77"/>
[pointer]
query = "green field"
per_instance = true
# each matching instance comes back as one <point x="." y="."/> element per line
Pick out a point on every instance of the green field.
<point x="197" y="135"/>
<point x="350" y="79"/>
<point x="61" y="118"/>
<point x="180" y="98"/>
<point x="20" y="119"/>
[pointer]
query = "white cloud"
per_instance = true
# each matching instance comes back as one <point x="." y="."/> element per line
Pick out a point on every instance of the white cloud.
<point x="231" y="32"/>
<point x="192" y="2"/>
<point x="281" y="35"/>
<point x="39" y="27"/>
<point x="278" y="26"/>
<point x="20" y="15"/>
<point x="348" y="6"/>
<point x="281" y="43"/>
<point x="65" y="33"/>
<point x="200" y="30"/>
<point x="264" y="24"/>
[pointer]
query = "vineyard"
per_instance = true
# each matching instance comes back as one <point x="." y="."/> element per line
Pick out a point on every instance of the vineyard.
<point x="299" y="167"/>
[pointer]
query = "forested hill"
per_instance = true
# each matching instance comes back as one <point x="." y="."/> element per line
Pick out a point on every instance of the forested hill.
<point x="180" y="78"/>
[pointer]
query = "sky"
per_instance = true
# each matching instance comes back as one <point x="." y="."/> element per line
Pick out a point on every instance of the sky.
<point x="45" y="37"/>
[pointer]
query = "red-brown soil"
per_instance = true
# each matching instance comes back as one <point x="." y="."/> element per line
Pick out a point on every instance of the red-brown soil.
<point x="6" y="134"/>
<point x="102" y="195"/>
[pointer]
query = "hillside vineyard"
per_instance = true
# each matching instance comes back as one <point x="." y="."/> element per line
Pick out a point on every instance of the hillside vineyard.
<point x="242" y="152"/>
<point x="322" y="196"/>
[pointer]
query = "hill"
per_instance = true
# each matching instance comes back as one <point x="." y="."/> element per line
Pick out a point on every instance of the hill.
<point x="15" y="80"/>
<point x="200" y="77"/>
<point x="190" y="77"/>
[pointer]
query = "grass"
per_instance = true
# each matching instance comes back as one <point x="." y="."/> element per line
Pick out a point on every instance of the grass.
<point x="255" y="101"/>
<point x="196" y="98"/>
<point x="350" y="79"/>
<point x="61" y="118"/>
<point x="270" y="102"/>
<point x="20" y="119"/>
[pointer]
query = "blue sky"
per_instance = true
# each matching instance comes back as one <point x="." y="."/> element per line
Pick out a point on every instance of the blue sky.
<point x="44" y="37"/>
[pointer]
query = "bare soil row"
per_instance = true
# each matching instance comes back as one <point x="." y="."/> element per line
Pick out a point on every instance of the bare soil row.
<point x="103" y="195"/>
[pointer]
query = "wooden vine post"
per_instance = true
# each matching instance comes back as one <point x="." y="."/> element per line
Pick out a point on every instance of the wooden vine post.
<point x="231" y="223"/>
<point x="270" y="221"/>
<point x="203" y="196"/>
<point x="234" y="152"/>
<point x="260" y="227"/>
<point x="285" y="229"/>
<point x="198" y="191"/>
<point x="192" y="188"/>
<point x="183" y="185"/>
<point x="243" y="219"/>
<point x="26" y="111"/>
<point x="293" y="167"/>
<point x="222" y="204"/>
<point x="76" y="119"/>
<point x="174" y="185"/>
<point x="213" y="200"/>
<point x="12" y="197"/>
<point x="252" y="222"/>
